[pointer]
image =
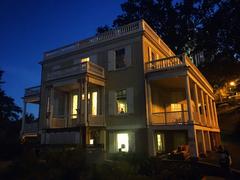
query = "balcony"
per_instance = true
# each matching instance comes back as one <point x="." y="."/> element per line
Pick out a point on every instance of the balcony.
<point x="76" y="69"/>
<point x="93" y="121"/>
<point x="132" y="28"/>
<point x="30" y="127"/>
<point x="169" y="118"/>
<point x="32" y="94"/>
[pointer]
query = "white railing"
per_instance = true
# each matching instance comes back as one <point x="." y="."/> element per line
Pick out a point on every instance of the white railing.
<point x="164" y="64"/>
<point x="32" y="91"/>
<point x="86" y="67"/>
<point x="115" y="33"/>
<point x="170" y="118"/>
<point x="30" y="127"/>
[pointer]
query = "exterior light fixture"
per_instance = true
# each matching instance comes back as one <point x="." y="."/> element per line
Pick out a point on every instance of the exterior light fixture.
<point x="232" y="83"/>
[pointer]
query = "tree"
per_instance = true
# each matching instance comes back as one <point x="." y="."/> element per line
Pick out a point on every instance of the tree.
<point x="191" y="26"/>
<point x="9" y="111"/>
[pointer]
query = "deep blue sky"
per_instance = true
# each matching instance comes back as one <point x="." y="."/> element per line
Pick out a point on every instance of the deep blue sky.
<point x="30" y="27"/>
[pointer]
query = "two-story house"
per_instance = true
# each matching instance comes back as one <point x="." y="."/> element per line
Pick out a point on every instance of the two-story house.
<point x="123" y="90"/>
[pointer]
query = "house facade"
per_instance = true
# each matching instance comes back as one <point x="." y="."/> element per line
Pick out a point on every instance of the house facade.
<point x="123" y="90"/>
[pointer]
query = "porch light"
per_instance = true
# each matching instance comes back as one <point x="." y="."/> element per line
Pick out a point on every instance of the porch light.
<point x="232" y="83"/>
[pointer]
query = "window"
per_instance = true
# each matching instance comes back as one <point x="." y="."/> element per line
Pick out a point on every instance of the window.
<point x="94" y="103"/>
<point x="74" y="106"/>
<point x="122" y="101"/>
<point x="83" y="60"/>
<point x="120" y="58"/>
<point x="122" y="142"/>
<point x="160" y="142"/>
<point x="176" y="107"/>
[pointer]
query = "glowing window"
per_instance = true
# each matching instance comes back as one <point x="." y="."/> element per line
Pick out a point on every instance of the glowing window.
<point x="94" y="103"/>
<point x="84" y="98"/>
<point x="83" y="60"/>
<point x="122" y="142"/>
<point x="160" y="143"/>
<point x="91" y="141"/>
<point x="176" y="107"/>
<point x="122" y="101"/>
<point x="74" y="106"/>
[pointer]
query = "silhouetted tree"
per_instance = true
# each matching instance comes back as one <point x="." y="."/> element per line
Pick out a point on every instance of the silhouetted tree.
<point x="9" y="111"/>
<point x="191" y="26"/>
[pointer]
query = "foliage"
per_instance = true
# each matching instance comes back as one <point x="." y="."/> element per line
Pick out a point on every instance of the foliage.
<point x="9" y="111"/>
<point x="193" y="26"/>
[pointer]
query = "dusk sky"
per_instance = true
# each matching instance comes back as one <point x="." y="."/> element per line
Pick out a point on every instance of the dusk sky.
<point x="31" y="27"/>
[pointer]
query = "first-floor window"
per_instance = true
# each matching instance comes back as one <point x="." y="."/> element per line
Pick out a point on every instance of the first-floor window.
<point x="123" y="142"/>
<point x="74" y="106"/>
<point x="160" y="142"/>
<point x="94" y="103"/>
<point x="122" y="101"/>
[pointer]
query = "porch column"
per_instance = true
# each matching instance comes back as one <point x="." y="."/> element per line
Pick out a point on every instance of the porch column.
<point x="149" y="101"/>
<point x="197" y="102"/>
<point x="192" y="141"/>
<point x="188" y="97"/>
<point x="209" y="141"/>
<point x="23" y="115"/>
<point x="212" y="113"/>
<point x="208" y="111"/>
<point x="204" y="142"/>
<point x="215" y="113"/>
<point x="79" y="103"/>
<point x="203" y="108"/>
<point x="50" y="123"/>
<point x="86" y="101"/>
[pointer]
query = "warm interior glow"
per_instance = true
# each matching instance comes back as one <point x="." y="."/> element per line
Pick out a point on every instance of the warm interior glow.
<point x="122" y="142"/>
<point x="122" y="106"/>
<point x="83" y="96"/>
<point x="176" y="107"/>
<point x="74" y="106"/>
<point x="91" y="141"/>
<point x="94" y="103"/>
<point x="85" y="59"/>
<point x="160" y="142"/>
<point x="232" y="83"/>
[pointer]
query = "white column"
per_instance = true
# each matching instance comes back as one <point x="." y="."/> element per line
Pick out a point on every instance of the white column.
<point x="192" y="141"/>
<point x="204" y="142"/>
<point x="24" y="114"/>
<point x="212" y="113"/>
<point x="215" y="113"/>
<point x="197" y="102"/>
<point x="79" y="103"/>
<point x="50" y="123"/>
<point x="149" y="101"/>
<point x="203" y="108"/>
<point x="209" y="141"/>
<point x="188" y="98"/>
<point x="208" y="111"/>
<point x="86" y="101"/>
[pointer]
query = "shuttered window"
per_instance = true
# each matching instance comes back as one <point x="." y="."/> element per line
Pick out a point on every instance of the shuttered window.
<point x="119" y="58"/>
<point x="121" y="101"/>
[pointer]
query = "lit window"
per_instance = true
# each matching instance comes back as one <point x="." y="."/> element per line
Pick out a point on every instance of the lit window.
<point x="74" y="106"/>
<point x="84" y="98"/>
<point x="122" y="101"/>
<point x="120" y="58"/>
<point x="91" y="141"/>
<point x="94" y="103"/>
<point x="122" y="142"/>
<point x="160" y="142"/>
<point x="176" y="107"/>
<point x="83" y="60"/>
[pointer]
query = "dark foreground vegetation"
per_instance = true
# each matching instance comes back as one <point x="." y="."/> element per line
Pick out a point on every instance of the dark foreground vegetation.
<point x="78" y="164"/>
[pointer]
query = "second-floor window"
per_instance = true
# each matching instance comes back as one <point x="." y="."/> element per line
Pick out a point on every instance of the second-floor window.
<point x="122" y="101"/>
<point x="120" y="58"/>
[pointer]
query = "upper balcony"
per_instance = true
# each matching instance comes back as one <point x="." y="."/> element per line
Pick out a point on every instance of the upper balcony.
<point x="75" y="69"/>
<point x="175" y="63"/>
<point x="32" y="94"/>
